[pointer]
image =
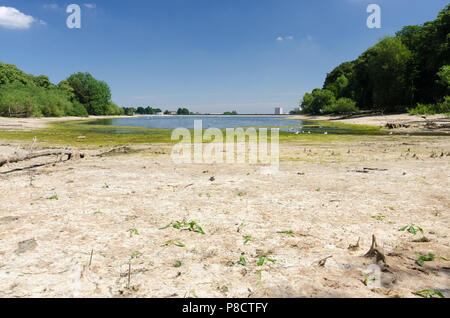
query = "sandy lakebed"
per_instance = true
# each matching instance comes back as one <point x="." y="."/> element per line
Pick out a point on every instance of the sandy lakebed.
<point x="75" y="228"/>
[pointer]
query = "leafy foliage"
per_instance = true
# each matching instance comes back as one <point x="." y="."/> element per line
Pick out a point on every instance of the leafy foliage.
<point x="428" y="293"/>
<point x="315" y="102"/>
<point x="93" y="94"/>
<point x="148" y="111"/>
<point x="24" y="95"/>
<point x="342" y="106"/>
<point x="183" y="111"/>
<point x="413" y="229"/>
<point x="396" y="74"/>
<point x="191" y="226"/>
<point x="431" y="109"/>
<point x="423" y="258"/>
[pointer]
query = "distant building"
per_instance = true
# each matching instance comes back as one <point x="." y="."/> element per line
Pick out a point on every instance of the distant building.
<point x="279" y="111"/>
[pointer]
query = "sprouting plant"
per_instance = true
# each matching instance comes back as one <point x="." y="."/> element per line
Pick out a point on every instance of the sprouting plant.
<point x="413" y="229"/>
<point x="240" y="194"/>
<point x="174" y="242"/>
<point x="53" y="197"/>
<point x="247" y="238"/>
<point x="106" y="186"/>
<point x="378" y="217"/>
<point x="133" y="231"/>
<point x="423" y="258"/>
<point x="192" y="292"/>
<point x="290" y="232"/>
<point x="136" y="254"/>
<point x="208" y="195"/>
<point x="428" y="293"/>
<point x="262" y="259"/>
<point x="243" y="261"/>
<point x="369" y="279"/>
<point x="259" y="278"/>
<point x="177" y="264"/>
<point x="191" y="226"/>
<point x="318" y="189"/>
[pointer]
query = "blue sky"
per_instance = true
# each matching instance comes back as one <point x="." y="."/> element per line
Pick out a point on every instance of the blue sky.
<point x="207" y="55"/>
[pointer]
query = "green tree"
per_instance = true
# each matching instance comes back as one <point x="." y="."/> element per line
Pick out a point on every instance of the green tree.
<point x="387" y="71"/>
<point x="42" y="81"/>
<point x="444" y="76"/>
<point x="306" y="103"/>
<point x="93" y="94"/>
<point x="341" y="106"/>
<point x="183" y="111"/>
<point x="10" y="74"/>
<point x="315" y="102"/>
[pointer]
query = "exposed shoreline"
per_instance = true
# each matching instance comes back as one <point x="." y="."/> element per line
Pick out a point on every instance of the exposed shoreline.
<point x="413" y="122"/>
<point x="55" y="214"/>
<point x="400" y="121"/>
<point x="325" y="197"/>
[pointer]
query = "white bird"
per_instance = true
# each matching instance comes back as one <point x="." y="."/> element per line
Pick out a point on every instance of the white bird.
<point x="325" y="133"/>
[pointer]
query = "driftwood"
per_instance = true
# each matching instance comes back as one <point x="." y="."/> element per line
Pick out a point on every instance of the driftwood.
<point x="56" y="152"/>
<point x="32" y="155"/>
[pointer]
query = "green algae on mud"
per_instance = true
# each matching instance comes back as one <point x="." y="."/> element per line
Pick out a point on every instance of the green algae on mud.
<point x="77" y="133"/>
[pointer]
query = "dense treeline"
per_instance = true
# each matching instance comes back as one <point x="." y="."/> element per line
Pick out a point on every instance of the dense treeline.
<point x="148" y="111"/>
<point x="407" y="72"/>
<point x="25" y="95"/>
<point x="130" y="111"/>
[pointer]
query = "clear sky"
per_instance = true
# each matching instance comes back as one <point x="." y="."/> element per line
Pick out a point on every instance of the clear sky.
<point x="206" y="55"/>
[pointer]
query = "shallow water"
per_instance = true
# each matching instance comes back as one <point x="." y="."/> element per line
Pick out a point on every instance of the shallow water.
<point x="220" y="122"/>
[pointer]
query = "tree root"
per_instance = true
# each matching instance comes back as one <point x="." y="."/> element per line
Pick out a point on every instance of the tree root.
<point x="376" y="251"/>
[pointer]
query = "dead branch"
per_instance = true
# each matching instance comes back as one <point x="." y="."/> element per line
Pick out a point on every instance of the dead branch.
<point x="23" y="157"/>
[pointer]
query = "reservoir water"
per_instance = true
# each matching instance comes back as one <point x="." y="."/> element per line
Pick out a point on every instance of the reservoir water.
<point x="221" y="122"/>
